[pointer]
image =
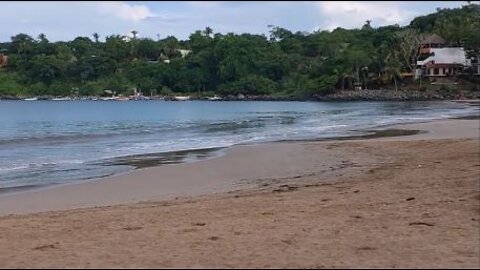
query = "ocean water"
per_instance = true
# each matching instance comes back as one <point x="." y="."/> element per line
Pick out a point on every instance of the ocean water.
<point x="53" y="142"/>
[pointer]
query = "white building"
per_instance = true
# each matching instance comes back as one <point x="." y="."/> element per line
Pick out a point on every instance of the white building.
<point x="184" y="52"/>
<point x="129" y="36"/>
<point x="443" y="62"/>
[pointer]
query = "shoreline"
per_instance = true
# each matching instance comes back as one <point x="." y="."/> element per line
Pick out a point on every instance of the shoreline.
<point x="392" y="202"/>
<point x="181" y="156"/>
<point x="152" y="160"/>
<point x="9" y="202"/>
<point x="348" y="96"/>
<point x="141" y="161"/>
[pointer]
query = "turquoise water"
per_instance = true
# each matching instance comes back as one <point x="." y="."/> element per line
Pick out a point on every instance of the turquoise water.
<point x="52" y="142"/>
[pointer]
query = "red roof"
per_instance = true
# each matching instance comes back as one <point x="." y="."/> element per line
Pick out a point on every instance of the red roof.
<point x="429" y="65"/>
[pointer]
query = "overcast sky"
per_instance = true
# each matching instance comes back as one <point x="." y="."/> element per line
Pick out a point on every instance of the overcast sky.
<point x="67" y="20"/>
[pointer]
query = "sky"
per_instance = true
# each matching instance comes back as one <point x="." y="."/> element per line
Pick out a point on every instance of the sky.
<point x="159" y="19"/>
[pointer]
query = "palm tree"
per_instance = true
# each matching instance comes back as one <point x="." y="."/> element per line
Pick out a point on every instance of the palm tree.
<point x="133" y="44"/>
<point x="134" y="34"/>
<point x="393" y="66"/>
<point x="365" y="73"/>
<point x="96" y="36"/>
<point x="367" y="25"/>
<point x="42" y="37"/>
<point x="208" y="31"/>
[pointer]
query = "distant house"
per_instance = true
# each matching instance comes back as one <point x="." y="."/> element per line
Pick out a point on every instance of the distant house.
<point x="431" y="41"/>
<point x="164" y="55"/>
<point x="439" y="60"/>
<point x="184" y="52"/>
<point x="443" y="62"/>
<point x="129" y="36"/>
<point x="3" y="58"/>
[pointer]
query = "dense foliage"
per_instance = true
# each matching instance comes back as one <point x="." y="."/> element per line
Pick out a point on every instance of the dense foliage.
<point x="283" y="64"/>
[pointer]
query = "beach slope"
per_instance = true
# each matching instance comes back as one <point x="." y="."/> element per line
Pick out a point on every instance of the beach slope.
<point x="409" y="202"/>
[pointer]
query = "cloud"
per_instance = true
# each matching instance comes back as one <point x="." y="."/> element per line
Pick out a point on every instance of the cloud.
<point x="206" y="4"/>
<point x="125" y="11"/>
<point x="67" y="20"/>
<point x="351" y="14"/>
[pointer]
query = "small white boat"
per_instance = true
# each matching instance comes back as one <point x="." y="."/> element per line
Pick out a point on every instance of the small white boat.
<point x="214" y="98"/>
<point x="181" y="98"/>
<point x="60" y="99"/>
<point x="31" y="99"/>
<point x="122" y="98"/>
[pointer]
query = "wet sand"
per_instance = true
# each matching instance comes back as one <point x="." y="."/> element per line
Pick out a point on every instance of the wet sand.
<point x="411" y="201"/>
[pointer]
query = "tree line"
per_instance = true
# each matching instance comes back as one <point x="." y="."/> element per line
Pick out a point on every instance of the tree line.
<point x="284" y="63"/>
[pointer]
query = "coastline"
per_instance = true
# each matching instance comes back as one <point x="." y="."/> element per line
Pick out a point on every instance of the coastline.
<point x="142" y="161"/>
<point x="158" y="182"/>
<point x="95" y="167"/>
<point x="337" y="96"/>
<point x="409" y="201"/>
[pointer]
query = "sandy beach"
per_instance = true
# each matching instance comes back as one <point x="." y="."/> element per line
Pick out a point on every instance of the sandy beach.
<point x="410" y="201"/>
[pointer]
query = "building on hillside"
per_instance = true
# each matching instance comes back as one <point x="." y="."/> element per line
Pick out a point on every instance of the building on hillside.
<point x="184" y="53"/>
<point x="3" y="58"/>
<point x="130" y="36"/>
<point x="437" y="59"/>
<point x="431" y="41"/>
<point x="443" y="62"/>
<point x="164" y="55"/>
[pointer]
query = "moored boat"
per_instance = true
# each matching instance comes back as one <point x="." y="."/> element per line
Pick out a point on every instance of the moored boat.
<point x="214" y="98"/>
<point x="61" y="99"/>
<point x="181" y="98"/>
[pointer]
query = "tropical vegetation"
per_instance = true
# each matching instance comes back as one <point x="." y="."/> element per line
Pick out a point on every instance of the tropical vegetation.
<point x="284" y="63"/>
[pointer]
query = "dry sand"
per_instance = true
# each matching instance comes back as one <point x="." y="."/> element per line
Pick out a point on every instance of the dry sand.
<point x="393" y="202"/>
